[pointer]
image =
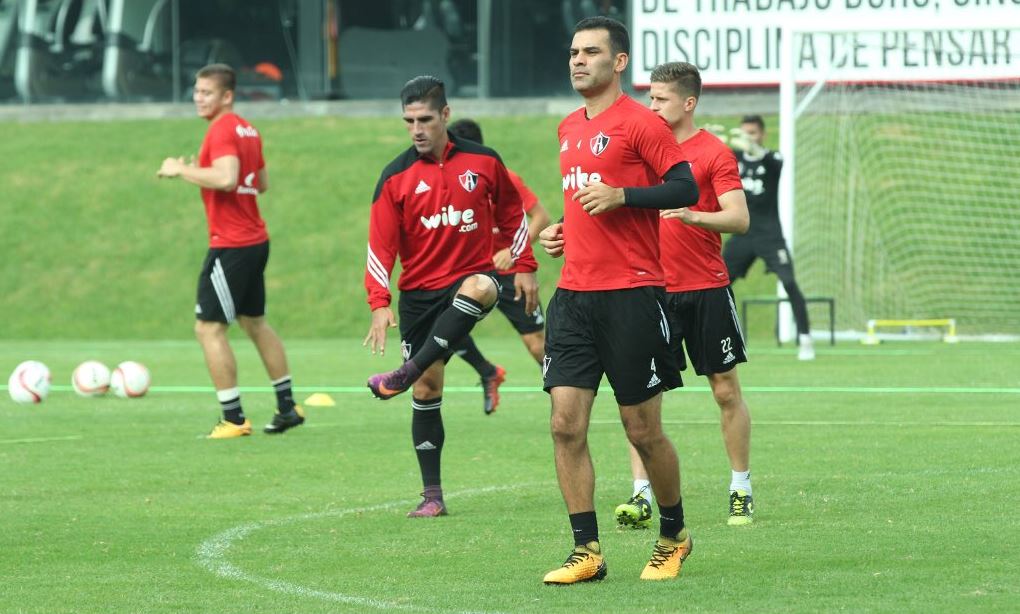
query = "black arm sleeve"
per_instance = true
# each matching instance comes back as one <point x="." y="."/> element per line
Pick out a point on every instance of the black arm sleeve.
<point x="677" y="190"/>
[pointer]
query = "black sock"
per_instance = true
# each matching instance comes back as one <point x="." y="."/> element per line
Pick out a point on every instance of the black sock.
<point x="284" y="395"/>
<point x="467" y="350"/>
<point x="450" y="328"/>
<point x="585" y="527"/>
<point x="671" y="519"/>
<point x="799" y="307"/>
<point x="232" y="411"/>
<point x="428" y="436"/>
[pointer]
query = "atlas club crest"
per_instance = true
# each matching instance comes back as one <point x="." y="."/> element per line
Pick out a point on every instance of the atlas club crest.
<point x="468" y="180"/>
<point x="598" y="143"/>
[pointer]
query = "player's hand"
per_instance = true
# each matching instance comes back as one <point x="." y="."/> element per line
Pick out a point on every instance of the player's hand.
<point x="526" y="285"/>
<point x="685" y="215"/>
<point x="742" y="141"/>
<point x="551" y="239"/>
<point x="598" y="197"/>
<point x="382" y="318"/>
<point x="502" y="259"/>
<point x="171" y="167"/>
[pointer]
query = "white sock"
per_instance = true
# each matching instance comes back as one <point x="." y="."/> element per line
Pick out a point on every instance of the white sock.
<point x="228" y="395"/>
<point x="740" y="480"/>
<point x="645" y="486"/>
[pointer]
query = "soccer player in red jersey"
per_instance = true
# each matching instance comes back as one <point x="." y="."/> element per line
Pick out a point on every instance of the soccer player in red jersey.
<point x="435" y="207"/>
<point x="231" y="173"/>
<point x="530" y="326"/>
<point x="700" y="299"/>
<point x="620" y="165"/>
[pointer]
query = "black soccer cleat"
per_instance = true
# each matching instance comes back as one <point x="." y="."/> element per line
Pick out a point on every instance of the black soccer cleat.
<point x="283" y="422"/>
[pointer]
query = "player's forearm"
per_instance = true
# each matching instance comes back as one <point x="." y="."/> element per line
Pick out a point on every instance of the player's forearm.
<point x="678" y="190"/>
<point x="537" y="222"/>
<point x="209" y="177"/>
<point x="728" y="221"/>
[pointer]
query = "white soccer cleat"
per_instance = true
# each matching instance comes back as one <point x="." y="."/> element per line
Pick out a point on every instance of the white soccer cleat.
<point x="807" y="348"/>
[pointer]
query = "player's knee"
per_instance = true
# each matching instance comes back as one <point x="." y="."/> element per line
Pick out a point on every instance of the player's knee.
<point x="480" y="288"/>
<point x="209" y="330"/>
<point x="566" y="432"/>
<point x="642" y="434"/>
<point x="727" y="394"/>
<point x="535" y="342"/>
<point x="252" y="326"/>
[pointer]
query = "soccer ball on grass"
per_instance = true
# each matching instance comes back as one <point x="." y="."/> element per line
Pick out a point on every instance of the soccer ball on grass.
<point x="30" y="382"/>
<point x="130" y="379"/>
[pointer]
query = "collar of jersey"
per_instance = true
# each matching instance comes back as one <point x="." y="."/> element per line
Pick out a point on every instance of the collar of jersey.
<point x="447" y="153"/>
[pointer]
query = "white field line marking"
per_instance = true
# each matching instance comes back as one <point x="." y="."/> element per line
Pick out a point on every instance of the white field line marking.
<point x="829" y="423"/>
<point x="212" y="554"/>
<point x="40" y="439"/>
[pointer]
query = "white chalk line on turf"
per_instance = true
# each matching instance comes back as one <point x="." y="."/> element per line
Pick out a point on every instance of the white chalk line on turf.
<point x="829" y="423"/>
<point x="361" y="390"/>
<point x="40" y="439"/>
<point x="212" y="554"/>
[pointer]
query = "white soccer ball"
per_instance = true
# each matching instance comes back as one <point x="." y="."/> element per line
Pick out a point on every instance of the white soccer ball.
<point x="91" y="378"/>
<point x="30" y="382"/>
<point x="130" y="379"/>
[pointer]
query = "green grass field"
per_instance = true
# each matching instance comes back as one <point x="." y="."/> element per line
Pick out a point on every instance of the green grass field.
<point x="885" y="481"/>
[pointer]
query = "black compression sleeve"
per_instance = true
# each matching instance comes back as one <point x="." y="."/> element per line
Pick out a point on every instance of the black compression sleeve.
<point x="677" y="190"/>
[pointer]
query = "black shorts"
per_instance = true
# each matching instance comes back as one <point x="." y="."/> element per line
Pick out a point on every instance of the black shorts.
<point x="705" y="323"/>
<point x="622" y="333"/>
<point x="741" y="250"/>
<point x="232" y="283"/>
<point x="523" y="323"/>
<point x="417" y="311"/>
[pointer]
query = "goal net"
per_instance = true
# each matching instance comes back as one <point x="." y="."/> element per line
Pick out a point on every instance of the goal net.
<point x="902" y="183"/>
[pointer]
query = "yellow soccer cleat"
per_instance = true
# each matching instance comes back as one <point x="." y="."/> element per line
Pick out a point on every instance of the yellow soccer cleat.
<point x="585" y="564"/>
<point x="636" y="513"/>
<point x="741" y="509"/>
<point x="668" y="557"/>
<point x="229" y="430"/>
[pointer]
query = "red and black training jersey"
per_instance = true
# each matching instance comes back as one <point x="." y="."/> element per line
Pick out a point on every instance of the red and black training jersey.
<point x="436" y="216"/>
<point x="526" y="263"/>
<point x="627" y="145"/>
<point x="691" y="255"/>
<point x="233" y="217"/>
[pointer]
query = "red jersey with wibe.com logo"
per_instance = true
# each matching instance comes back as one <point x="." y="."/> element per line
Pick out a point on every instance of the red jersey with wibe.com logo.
<point x="233" y="217"/>
<point x="436" y="216"/>
<point x="691" y="255"/>
<point x="627" y="145"/>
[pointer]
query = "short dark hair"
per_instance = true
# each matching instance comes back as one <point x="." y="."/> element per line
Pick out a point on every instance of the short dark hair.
<point x="221" y="73"/>
<point x="754" y="119"/>
<point x="619" y="38"/>
<point x="466" y="129"/>
<point x="425" y="88"/>
<point x="683" y="75"/>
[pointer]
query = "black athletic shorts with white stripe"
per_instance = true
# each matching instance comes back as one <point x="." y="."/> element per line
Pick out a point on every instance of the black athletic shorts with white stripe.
<point x="623" y="334"/>
<point x="232" y="283"/>
<point x="417" y="311"/>
<point x="524" y="323"/>
<point x="705" y="322"/>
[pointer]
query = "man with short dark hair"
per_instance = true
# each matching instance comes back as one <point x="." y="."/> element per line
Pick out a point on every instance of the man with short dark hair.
<point x="700" y="300"/>
<point x="435" y="207"/>
<point x="759" y="170"/>
<point x="530" y="326"/>
<point x="231" y="173"/>
<point x="608" y="313"/>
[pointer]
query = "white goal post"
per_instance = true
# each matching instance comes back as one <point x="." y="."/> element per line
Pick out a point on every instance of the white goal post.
<point x="900" y="194"/>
